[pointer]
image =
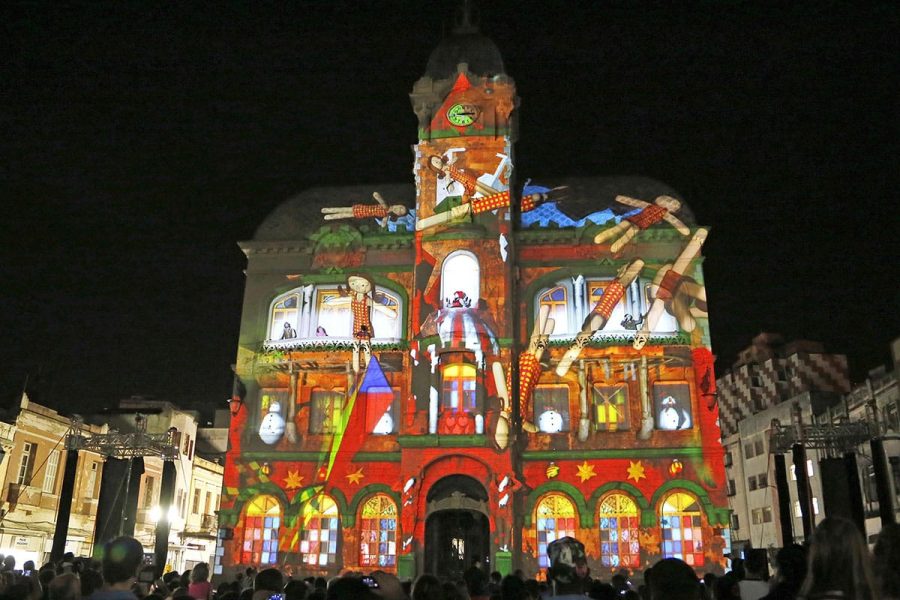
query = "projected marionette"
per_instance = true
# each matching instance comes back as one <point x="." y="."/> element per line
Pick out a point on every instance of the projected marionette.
<point x="490" y="199"/>
<point x="599" y="316"/>
<point x="366" y="211"/>
<point x="529" y="374"/>
<point x="651" y="214"/>
<point x="667" y="283"/>
<point x="363" y="299"/>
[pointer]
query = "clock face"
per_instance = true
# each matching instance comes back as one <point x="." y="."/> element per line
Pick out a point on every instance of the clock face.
<point x="463" y="115"/>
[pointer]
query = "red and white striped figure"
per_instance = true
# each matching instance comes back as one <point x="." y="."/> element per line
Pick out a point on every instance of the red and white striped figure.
<point x="529" y="374"/>
<point x="366" y="211"/>
<point x="651" y="214"/>
<point x="599" y="316"/>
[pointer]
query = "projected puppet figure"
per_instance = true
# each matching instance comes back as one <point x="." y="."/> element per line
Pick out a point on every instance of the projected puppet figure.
<point x="363" y="299"/>
<point x="651" y="214"/>
<point x="366" y="211"/>
<point x="529" y="374"/>
<point x="490" y="199"/>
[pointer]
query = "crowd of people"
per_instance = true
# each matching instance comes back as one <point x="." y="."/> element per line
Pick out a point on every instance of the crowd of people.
<point x="836" y="565"/>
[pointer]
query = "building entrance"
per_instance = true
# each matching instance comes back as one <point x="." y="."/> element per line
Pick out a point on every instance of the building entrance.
<point x="456" y="529"/>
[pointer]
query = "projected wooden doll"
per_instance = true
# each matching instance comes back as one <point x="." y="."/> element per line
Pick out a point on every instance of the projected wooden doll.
<point x="666" y="281"/>
<point x="651" y="214"/>
<point x="366" y="211"/>
<point x="490" y="199"/>
<point x="363" y="299"/>
<point x="529" y="374"/>
<point x="599" y="316"/>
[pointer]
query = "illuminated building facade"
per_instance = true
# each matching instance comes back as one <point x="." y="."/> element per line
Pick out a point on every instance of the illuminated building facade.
<point x="465" y="368"/>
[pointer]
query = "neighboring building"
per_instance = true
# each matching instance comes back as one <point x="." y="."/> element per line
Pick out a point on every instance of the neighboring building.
<point x="31" y="476"/>
<point x="401" y="461"/>
<point x="785" y="382"/>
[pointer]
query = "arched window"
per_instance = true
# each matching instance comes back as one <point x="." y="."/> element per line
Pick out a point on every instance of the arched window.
<point x="554" y="518"/>
<point x="285" y="317"/>
<point x="460" y="413"/>
<point x="619" y="545"/>
<point x="557" y="299"/>
<point x="319" y="531"/>
<point x="378" y="532"/>
<point x="460" y="273"/>
<point x="682" y="531"/>
<point x="262" y="520"/>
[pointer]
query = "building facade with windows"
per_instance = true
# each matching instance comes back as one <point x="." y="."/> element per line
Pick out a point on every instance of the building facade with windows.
<point x="472" y="368"/>
<point x="790" y="383"/>
<point x="31" y="476"/>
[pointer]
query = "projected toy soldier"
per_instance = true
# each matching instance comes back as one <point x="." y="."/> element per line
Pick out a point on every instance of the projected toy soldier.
<point x="366" y="211"/>
<point x="651" y="214"/>
<point x="490" y="199"/>
<point x="363" y="300"/>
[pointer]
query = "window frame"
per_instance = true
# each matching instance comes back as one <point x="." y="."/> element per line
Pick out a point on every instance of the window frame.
<point x="26" y="464"/>
<point x="51" y="472"/>
<point x="391" y="535"/>
<point x="556" y="515"/>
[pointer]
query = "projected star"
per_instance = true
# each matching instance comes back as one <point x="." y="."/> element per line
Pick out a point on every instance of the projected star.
<point x="355" y="477"/>
<point x="585" y="471"/>
<point x="293" y="480"/>
<point x="636" y="471"/>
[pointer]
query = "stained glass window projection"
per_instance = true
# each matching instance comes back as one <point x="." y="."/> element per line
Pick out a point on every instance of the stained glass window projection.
<point x="619" y="545"/>
<point x="319" y="531"/>
<point x="378" y="533"/>
<point x="555" y="519"/>
<point x="682" y="529"/>
<point x="261" y="525"/>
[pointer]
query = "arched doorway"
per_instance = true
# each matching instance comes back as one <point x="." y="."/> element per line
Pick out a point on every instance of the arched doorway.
<point x="457" y="529"/>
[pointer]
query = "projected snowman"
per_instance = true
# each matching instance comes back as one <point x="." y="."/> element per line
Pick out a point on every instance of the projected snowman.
<point x="272" y="427"/>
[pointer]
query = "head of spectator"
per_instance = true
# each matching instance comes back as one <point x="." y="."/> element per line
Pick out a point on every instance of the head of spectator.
<point x="294" y="590"/>
<point x="91" y="581"/>
<point x="246" y="594"/>
<point x="349" y="588"/>
<point x="602" y="591"/>
<point x="389" y="587"/>
<point x="756" y="565"/>
<point x="266" y="583"/>
<point x="64" y="587"/>
<point x="790" y="570"/>
<point x="320" y="583"/>
<point x="512" y="588"/>
<point x="185" y="579"/>
<point x="46" y="574"/>
<point x="9" y="563"/>
<point x="171" y="578"/>
<point x="839" y="561"/>
<point x="199" y="573"/>
<point x="673" y="579"/>
<point x="122" y="557"/>
<point x="533" y="588"/>
<point x="887" y="561"/>
<point x="454" y="590"/>
<point x="427" y="587"/>
<point x="567" y="573"/>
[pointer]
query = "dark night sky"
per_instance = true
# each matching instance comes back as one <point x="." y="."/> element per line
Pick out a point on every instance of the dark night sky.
<point x="141" y="142"/>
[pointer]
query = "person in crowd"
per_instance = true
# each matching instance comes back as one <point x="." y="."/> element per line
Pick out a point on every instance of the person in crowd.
<point x="673" y="579"/>
<point x="427" y="587"/>
<point x="475" y="578"/>
<point x="790" y="571"/>
<point x="122" y="557"/>
<point x="389" y="587"/>
<point x="9" y="563"/>
<point x="568" y="573"/>
<point x="755" y="584"/>
<point x="602" y="591"/>
<point x="494" y="582"/>
<point x="46" y="574"/>
<point x="455" y="590"/>
<point x="839" y="565"/>
<point x="349" y="588"/>
<point x="512" y="588"/>
<point x="64" y="587"/>
<point x="199" y="587"/>
<point x="727" y="587"/>
<point x="266" y="583"/>
<point x="91" y="581"/>
<point x="887" y="562"/>
<point x="294" y="589"/>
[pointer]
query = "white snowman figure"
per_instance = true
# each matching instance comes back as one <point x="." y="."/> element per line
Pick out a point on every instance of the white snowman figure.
<point x="272" y="426"/>
<point x="671" y="417"/>
<point x="550" y="421"/>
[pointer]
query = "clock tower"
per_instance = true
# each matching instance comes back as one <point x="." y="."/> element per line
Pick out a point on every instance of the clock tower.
<point x="461" y="314"/>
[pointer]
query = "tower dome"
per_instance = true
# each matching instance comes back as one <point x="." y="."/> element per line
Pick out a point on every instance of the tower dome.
<point x="465" y="45"/>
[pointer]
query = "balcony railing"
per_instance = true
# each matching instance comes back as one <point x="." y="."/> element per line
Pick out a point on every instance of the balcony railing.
<point x="209" y="522"/>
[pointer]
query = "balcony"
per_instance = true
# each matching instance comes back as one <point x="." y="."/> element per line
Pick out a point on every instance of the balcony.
<point x="209" y="522"/>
